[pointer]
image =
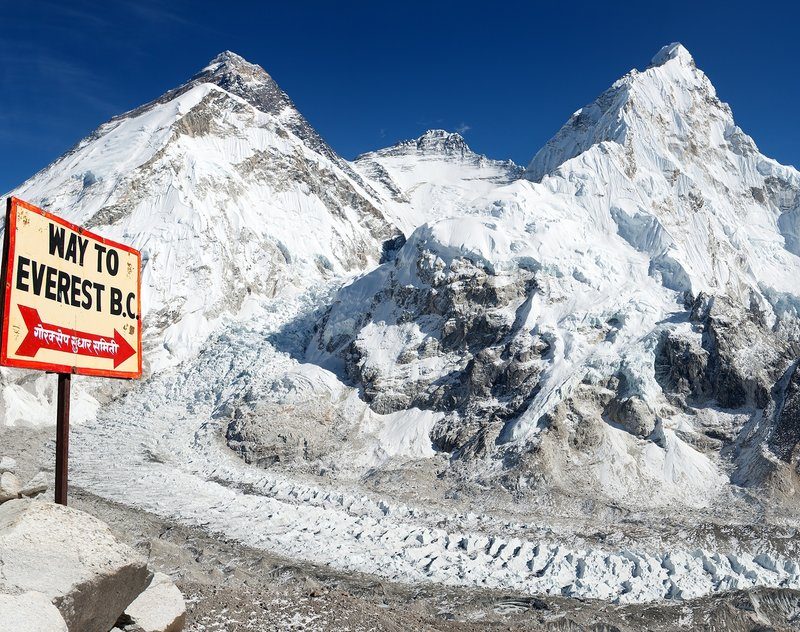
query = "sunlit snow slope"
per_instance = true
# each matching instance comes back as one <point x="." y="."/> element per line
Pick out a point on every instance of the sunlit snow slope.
<point x="436" y="175"/>
<point x="228" y="192"/>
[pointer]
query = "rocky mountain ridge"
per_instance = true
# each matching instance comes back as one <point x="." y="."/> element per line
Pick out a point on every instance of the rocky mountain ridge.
<point x="646" y="276"/>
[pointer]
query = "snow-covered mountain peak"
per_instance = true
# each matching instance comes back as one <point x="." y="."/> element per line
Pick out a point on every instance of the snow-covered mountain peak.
<point x="675" y="50"/>
<point x="251" y="82"/>
<point x="671" y="99"/>
<point x="659" y="144"/>
<point x="434" y="143"/>
<point x="225" y="178"/>
<point x="436" y="175"/>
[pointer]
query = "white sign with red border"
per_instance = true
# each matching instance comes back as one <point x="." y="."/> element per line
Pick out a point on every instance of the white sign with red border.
<point x="72" y="299"/>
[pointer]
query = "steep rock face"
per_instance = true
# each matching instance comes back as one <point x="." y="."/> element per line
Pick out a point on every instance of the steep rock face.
<point x="734" y="359"/>
<point x="785" y="435"/>
<point x="438" y="333"/>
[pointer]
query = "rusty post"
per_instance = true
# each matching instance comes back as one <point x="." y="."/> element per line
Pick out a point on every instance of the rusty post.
<point x="62" y="437"/>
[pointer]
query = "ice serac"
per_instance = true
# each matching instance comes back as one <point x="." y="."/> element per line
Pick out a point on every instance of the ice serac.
<point x="230" y="194"/>
<point x="608" y="325"/>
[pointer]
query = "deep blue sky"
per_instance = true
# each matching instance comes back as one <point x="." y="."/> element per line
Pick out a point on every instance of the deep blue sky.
<point x="367" y="74"/>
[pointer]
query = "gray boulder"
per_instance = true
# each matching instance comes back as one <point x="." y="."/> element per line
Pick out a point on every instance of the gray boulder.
<point x="634" y="414"/>
<point x="29" y="612"/>
<point x="73" y="559"/>
<point x="9" y="486"/>
<point x="37" y="485"/>
<point x="7" y="464"/>
<point x="160" y="608"/>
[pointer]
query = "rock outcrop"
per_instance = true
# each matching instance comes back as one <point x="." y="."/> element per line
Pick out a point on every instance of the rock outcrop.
<point x="72" y="559"/>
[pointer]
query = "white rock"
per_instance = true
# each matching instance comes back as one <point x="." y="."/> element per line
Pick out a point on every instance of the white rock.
<point x="160" y="608"/>
<point x="7" y="464"/>
<point x="37" y="485"/>
<point x="70" y="557"/>
<point x="9" y="486"/>
<point x="29" y="612"/>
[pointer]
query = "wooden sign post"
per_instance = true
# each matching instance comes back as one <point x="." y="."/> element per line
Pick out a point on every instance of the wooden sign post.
<point x="62" y="437"/>
<point x="71" y="304"/>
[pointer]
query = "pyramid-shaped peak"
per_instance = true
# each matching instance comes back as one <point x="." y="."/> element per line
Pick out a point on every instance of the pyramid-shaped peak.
<point x="249" y="81"/>
<point x="228" y="57"/>
<point x="672" y="86"/>
<point x="675" y="50"/>
<point x="228" y="62"/>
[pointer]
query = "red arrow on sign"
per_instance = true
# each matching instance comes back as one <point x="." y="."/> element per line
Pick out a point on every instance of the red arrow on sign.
<point x="46" y="336"/>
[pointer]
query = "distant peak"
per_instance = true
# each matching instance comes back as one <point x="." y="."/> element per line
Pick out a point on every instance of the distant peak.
<point x="676" y="50"/>
<point x="434" y="142"/>
<point x="439" y="141"/>
<point x="436" y="134"/>
<point x="439" y="144"/>
<point x="229" y="60"/>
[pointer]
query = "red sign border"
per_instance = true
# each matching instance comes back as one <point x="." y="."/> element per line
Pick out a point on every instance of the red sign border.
<point x="7" y="275"/>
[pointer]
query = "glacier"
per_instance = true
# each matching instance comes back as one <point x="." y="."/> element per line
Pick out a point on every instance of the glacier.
<point x="576" y="378"/>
